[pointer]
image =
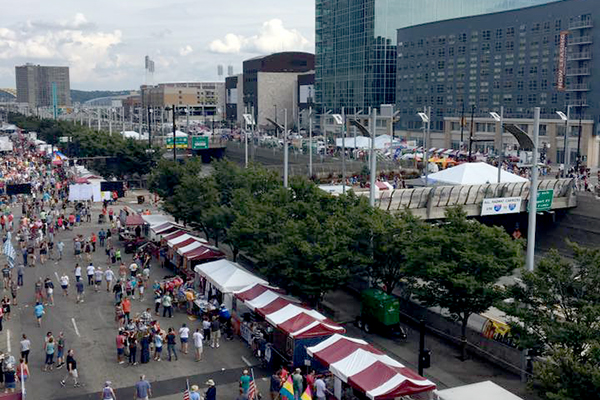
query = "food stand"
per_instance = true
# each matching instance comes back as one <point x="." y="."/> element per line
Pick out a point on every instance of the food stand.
<point x="358" y="366"/>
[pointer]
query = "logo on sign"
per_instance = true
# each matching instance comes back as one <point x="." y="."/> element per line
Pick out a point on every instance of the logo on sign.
<point x="497" y="207"/>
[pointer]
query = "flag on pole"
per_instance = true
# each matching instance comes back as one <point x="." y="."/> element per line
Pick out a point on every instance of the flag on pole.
<point x="287" y="390"/>
<point x="9" y="252"/>
<point x="252" y="388"/>
<point x="186" y="394"/>
<point x="307" y="395"/>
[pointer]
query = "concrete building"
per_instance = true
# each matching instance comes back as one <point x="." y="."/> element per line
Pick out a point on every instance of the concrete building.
<point x="234" y="107"/>
<point x="202" y="99"/>
<point x="536" y="56"/>
<point x="35" y="85"/>
<point x="356" y="44"/>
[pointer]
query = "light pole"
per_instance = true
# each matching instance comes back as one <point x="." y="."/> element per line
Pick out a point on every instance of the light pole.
<point x="426" y="118"/>
<point x="249" y="120"/>
<point x="370" y="133"/>
<point x="278" y="128"/>
<point x="310" y="150"/>
<point x="500" y="118"/>
<point x="566" y="118"/>
<point x="340" y="121"/>
<point x="533" y="192"/>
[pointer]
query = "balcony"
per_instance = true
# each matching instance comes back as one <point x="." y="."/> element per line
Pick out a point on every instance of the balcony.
<point x="581" y="24"/>
<point x="578" y="87"/>
<point x="584" y="55"/>
<point x="578" y="40"/>
<point x="578" y="103"/>
<point x="579" y="71"/>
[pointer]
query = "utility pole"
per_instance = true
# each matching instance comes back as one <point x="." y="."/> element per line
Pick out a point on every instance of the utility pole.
<point x="372" y="157"/>
<point x="533" y="191"/>
<point x="310" y="143"/>
<point x="343" y="150"/>
<point x="462" y="126"/>
<point x="99" y="118"/>
<point x="285" y="153"/>
<point x="174" y="136"/>
<point x="149" y="129"/>
<point x="471" y="131"/>
<point x="577" y="165"/>
<point x="566" y="146"/>
<point x="501" y="150"/>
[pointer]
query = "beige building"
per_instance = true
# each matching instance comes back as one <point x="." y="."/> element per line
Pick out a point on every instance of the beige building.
<point x="202" y="99"/>
<point x="37" y="85"/>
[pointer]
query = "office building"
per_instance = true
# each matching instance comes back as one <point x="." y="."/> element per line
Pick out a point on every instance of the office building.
<point x="200" y="99"/>
<point x="356" y="44"/>
<point x="537" y="56"/>
<point x="232" y="85"/>
<point x="39" y="85"/>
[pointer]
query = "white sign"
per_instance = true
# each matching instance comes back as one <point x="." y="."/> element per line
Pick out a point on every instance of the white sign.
<point x="306" y="92"/>
<point x="502" y="205"/>
<point x="232" y="96"/>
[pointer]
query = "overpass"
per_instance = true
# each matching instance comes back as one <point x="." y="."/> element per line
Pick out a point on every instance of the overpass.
<point x="431" y="202"/>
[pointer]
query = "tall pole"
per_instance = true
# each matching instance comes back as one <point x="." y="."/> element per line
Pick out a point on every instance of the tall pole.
<point x="533" y="193"/>
<point x="187" y="120"/>
<point x="255" y="118"/>
<point x="285" y="153"/>
<point x="566" y="146"/>
<point x="343" y="150"/>
<point x="354" y="132"/>
<point x="246" y="139"/>
<point x="373" y="168"/>
<point x="462" y="126"/>
<point x="426" y="149"/>
<point x="501" y="149"/>
<point x="578" y="163"/>
<point x="110" y="115"/>
<point x="310" y="142"/>
<point x="471" y="131"/>
<point x="99" y="118"/>
<point x="174" y="136"/>
<point x="149" y="128"/>
<point x="140" y="119"/>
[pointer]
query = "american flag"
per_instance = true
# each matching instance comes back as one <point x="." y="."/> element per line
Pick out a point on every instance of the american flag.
<point x="252" y="388"/>
<point x="186" y="394"/>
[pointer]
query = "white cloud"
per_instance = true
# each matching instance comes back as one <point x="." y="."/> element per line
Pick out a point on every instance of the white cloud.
<point x="186" y="50"/>
<point x="272" y="37"/>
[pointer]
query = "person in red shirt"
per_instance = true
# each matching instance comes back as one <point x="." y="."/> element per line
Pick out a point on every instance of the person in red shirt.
<point x="120" y="347"/>
<point x="126" y="303"/>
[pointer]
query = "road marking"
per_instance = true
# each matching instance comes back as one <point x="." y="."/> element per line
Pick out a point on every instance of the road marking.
<point x="8" y="340"/>
<point x="246" y="361"/>
<point x="75" y="326"/>
<point x="57" y="278"/>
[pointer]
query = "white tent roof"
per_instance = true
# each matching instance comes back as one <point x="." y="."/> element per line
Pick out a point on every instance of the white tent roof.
<point x="363" y="142"/>
<point x="227" y="276"/>
<point x="179" y="239"/>
<point x="156" y="219"/>
<point x="134" y="135"/>
<point x="190" y="247"/>
<point x="177" y="133"/>
<point x="487" y="390"/>
<point x="473" y="174"/>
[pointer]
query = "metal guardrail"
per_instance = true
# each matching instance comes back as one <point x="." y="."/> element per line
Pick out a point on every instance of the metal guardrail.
<point x="427" y="199"/>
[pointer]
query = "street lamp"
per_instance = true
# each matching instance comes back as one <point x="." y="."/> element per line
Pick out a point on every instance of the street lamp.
<point x="249" y="120"/>
<point x="370" y="133"/>
<point x="425" y="117"/>
<point x="565" y="118"/>
<point x="500" y="118"/>
<point x="280" y="128"/>
<point x="339" y="121"/>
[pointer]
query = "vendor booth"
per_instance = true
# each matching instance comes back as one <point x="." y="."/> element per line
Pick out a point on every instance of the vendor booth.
<point x="358" y="366"/>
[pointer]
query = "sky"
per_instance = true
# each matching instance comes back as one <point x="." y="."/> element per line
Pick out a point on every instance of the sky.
<point x="104" y="42"/>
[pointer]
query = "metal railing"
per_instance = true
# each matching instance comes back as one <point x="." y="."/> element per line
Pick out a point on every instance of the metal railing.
<point x="581" y="24"/>
<point x="579" y="87"/>
<point x="584" y="55"/>
<point x="579" y="71"/>
<point x="580" y="40"/>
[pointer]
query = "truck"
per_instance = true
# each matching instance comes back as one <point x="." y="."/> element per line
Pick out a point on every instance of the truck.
<point x="380" y="313"/>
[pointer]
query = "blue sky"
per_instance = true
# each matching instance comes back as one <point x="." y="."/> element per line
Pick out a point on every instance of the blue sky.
<point x="105" y="42"/>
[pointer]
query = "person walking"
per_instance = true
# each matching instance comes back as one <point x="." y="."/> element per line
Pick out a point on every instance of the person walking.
<point x="194" y="395"/>
<point x="120" y="346"/>
<point x="64" y="284"/>
<point x="167" y="303"/>
<point x="132" y="342"/>
<point x="108" y="393"/>
<point x="211" y="392"/>
<point x="298" y="383"/>
<point x="60" y="246"/>
<point x="198" y="345"/>
<point x="77" y="272"/>
<point x="50" y="348"/>
<point x="143" y="390"/>
<point x="320" y="389"/>
<point x="71" y="370"/>
<point x="275" y="385"/>
<point x="108" y="277"/>
<point x="158" y="344"/>
<point x="98" y="275"/>
<point x="20" y="274"/>
<point x="60" y="349"/>
<point x="184" y="334"/>
<point x="206" y="329"/>
<point x="39" y="312"/>
<point x="171" y="343"/>
<point x="126" y="303"/>
<point x="101" y="237"/>
<point x="145" y="344"/>
<point x="80" y="291"/>
<point x="22" y="370"/>
<point x="215" y="332"/>
<point x="245" y="381"/>
<point x="49" y="286"/>
<point x="25" y="348"/>
<point x="90" y="274"/>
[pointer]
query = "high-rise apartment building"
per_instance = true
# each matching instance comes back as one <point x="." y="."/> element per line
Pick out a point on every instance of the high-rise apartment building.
<point x="356" y="43"/>
<point x="35" y="85"/>
<point x="199" y="98"/>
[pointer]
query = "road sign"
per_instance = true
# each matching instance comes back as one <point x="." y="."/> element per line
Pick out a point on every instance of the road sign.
<point x="199" y="142"/>
<point x="503" y="205"/>
<point x="544" y="200"/>
<point x="180" y="142"/>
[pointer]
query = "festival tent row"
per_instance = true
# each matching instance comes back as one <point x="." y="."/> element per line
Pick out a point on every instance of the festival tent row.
<point x="362" y="367"/>
<point x="292" y="327"/>
<point x="183" y="252"/>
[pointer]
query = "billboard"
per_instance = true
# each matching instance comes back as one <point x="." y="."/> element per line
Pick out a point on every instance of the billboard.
<point x="501" y="205"/>
<point x="306" y="92"/>
<point x="561" y="73"/>
<point x="232" y="96"/>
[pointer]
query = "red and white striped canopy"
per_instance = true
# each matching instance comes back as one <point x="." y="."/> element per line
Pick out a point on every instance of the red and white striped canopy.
<point x="283" y="313"/>
<point x="367" y="369"/>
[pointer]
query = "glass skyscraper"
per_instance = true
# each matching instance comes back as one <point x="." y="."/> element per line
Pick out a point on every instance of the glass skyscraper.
<point x="356" y="43"/>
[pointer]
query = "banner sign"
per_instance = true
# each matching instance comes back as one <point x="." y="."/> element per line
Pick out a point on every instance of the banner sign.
<point x="199" y="142"/>
<point x="180" y="142"/>
<point x="501" y="205"/>
<point x="561" y="73"/>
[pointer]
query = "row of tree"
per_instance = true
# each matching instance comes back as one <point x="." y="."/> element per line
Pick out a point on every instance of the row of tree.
<point x="118" y="157"/>
<point x="310" y="243"/>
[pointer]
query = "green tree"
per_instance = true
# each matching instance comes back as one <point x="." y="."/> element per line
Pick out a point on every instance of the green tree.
<point x="555" y="312"/>
<point x="459" y="264"/>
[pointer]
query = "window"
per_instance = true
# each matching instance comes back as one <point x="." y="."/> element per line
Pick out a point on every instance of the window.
<point x="462" y="50"/>
<point x="547" y="26"/>
<point x="441" y="65"/>
<point x="519" y="99"/>
<point x="510" y="32"/>
<point x="532" y="85"/>
<point x="462" y="37"/>
<point x="557" y="25"/>
<point x="498" y="46"/>
<point x="510" y="45"/>
<point x="535" y="27"/>
<point x="533" y="70"/>
<point x="498" y="33"/>
<point x="520" y="85"/>
<point x="486" y="35"/>
<point x="543" y="129"/>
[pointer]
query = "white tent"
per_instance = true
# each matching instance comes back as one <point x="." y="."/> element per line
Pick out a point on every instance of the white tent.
<point x="177" y="134"/>
<point x="363" y="142"/>
<point x="474" y="174"/>
<point x="134" y="135"/>
<point x="483" y="390"/>
<point x="227" y="276"/>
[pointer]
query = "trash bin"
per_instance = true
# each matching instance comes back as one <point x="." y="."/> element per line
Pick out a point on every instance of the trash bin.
<point x="141" y="199"/>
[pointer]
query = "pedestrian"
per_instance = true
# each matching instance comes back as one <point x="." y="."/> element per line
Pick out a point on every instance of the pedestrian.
<point x="158" y="343"/>
<point x="171" y="343"/>
<point x="157" y="301"/>
<point x="320" y="389"/>
<point x="118" y="291"/>
<point x="60" y="349"/>
<point x="206" y="329"/>
<point x="22" y="370"/>
<point x="25" y="348"/>
<point x="198" y="339"/>
<point x="298" y="383"/>
<point x="60" y="246"/>
<point x="132" y="342"/>
<point x="50" y="348"/>
<point x="93" y="239"/>
<point x="39" y="312"/>
<point x="211" y="392"/>
<point x="49" y="286"/>
<point x="10" y="379"/>
<point x="80" y="291"/>
<point x="275" y="385"/>
<point x="20" y="274"/>
<point x="14" y="289"/>
<point x="5" y="276"/>
<point x="64" y="284"/>
<point x="108" y="277"/>
<point x="184" y="334"/>
<point x="71" y="369"/>
<point x="194" y="395"/>
<point x="108" y="393"/>
<point x="6" y="307"/>
<point x="77" y="272"/>
<point x="145" y="344"/>
<point x="120" y="346"/>
<point x="98" y="275"/>
<point x="90" y="274"/>
<point x="126" y="303"/>
<point x="215" y="332"/>
<point x="39" y="290"/>
<point x="167" y="303"/>
<point x="143" y="390"/>
<point x="245" y="381"/>
<point x="101" y="237"/>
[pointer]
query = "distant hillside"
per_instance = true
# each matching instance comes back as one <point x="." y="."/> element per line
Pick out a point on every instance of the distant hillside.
<point x="81" y="96"/>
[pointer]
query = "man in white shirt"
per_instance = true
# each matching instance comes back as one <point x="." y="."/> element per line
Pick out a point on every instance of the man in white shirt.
<point x="90" y="274"/>
<point x="198" y="338"/>
<point x="77" y="272"/>
<point x="184" y="334"/>
<point x="64" y="284"/>
<point x="108" y="276"/>
<point x="321" y="389"/>
<point x="98" y="275"/>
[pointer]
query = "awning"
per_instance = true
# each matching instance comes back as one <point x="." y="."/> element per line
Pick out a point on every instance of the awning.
<point x="176" y="240"/>
<point x="367" y="369"/>
<point x="204" y="253"/>
<point x="134" y="220"/>
<point x="227" y="276"/>
<point x="302" y="322"/>
<point x="174" y="235"/>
